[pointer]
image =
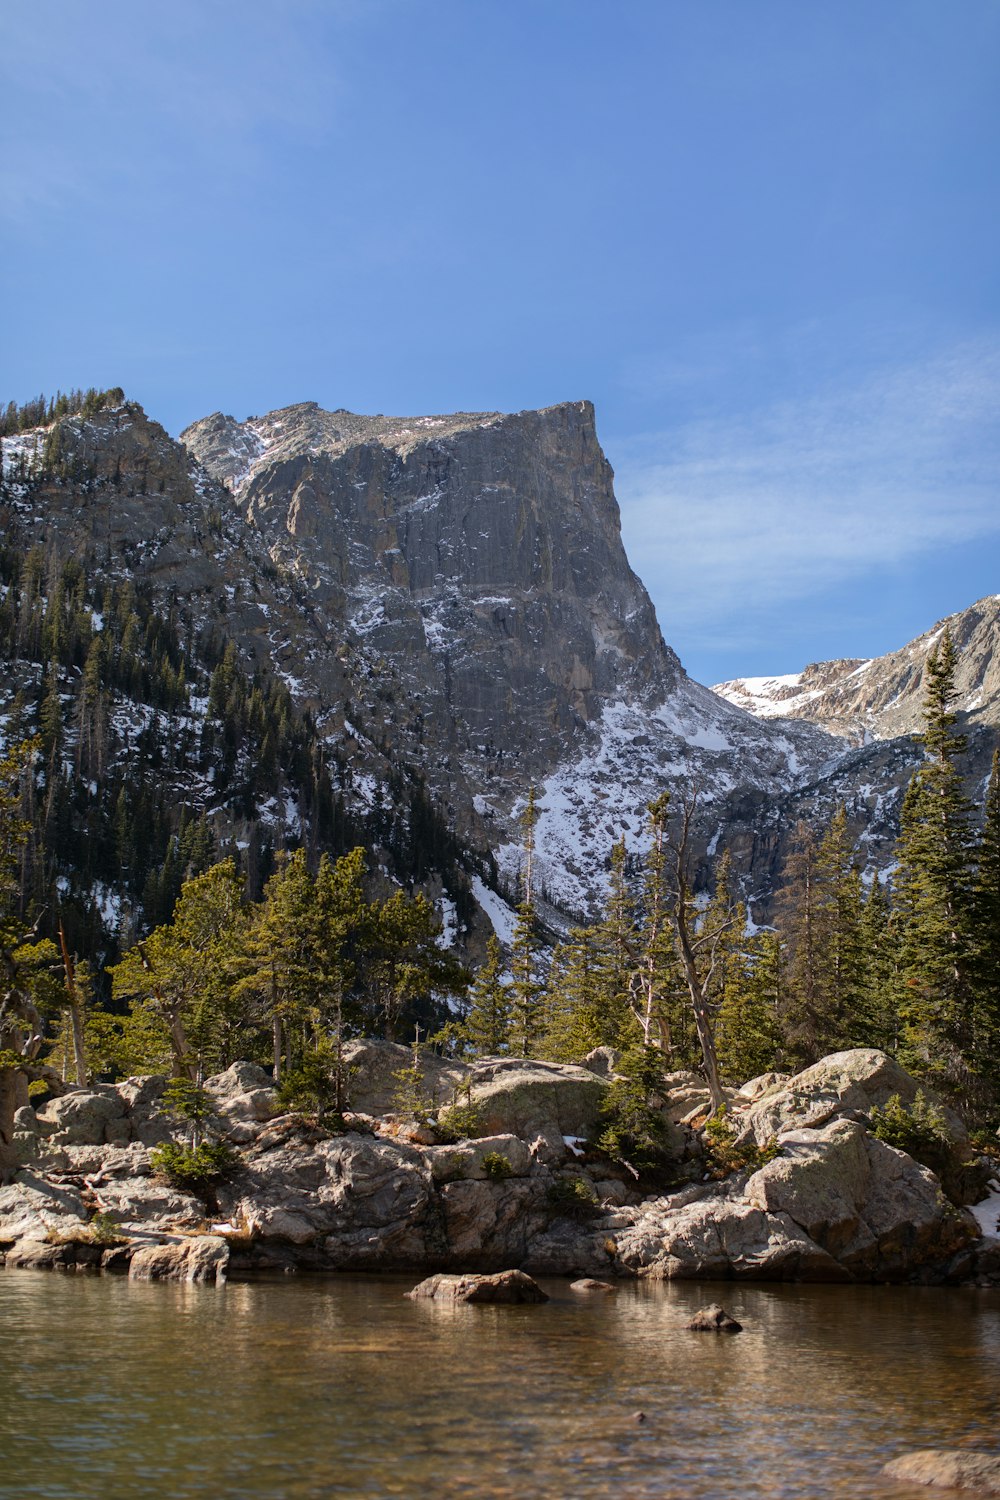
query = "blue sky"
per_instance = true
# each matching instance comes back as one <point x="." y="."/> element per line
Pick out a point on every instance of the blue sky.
<point x="762" y="238"/>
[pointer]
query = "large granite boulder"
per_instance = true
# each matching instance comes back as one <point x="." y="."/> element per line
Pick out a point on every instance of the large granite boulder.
<point x="875" y="1209"/>
<point x="201" y="1258"/>
<point x="31" y="1206"/>
<point x="142" y="1097"/>
<point x="372" y="1085"/>
<point x="514" y="1096"/>
<point x="845" y="1084"/>
<point x="355" y="1200"/>
<point x="501" y="1287"/>
<point x="948" y="1468"/>
<point x="491" y="1156"/>
<point x="243" y="1094"/>
<point x="836" y="1205"/>
<point x="84" y="1116"/>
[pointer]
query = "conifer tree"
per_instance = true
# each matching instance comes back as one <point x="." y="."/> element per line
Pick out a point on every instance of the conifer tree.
<point x="527" y="991"/>
<point x="747" y="1030"/>
<point x="487" y="1025"/>
<point x="932" y="895"/>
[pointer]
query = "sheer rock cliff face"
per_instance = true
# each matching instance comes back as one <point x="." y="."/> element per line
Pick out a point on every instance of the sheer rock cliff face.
<point x="470" y="573"/>
<point x="478" y="558"/>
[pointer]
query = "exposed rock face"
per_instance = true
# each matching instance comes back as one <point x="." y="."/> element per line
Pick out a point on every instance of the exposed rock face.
<point x="835" y="1205"/>
<point x="503" y="1286"/>
<point x="372" y="1065"/>
<point x="848" y="1083"/>
<point x="882" y="698"/>
<point x="471" y="570"/>
<point x="713" y="1319"/>
<point x="203" y="1258"/>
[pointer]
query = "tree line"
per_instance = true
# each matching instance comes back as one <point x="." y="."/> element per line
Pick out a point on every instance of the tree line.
<point x="666" y="976"/>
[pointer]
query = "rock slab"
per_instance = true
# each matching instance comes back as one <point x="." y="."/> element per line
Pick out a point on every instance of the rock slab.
<point x="944" y="1468"/>
<point x="505" y="1287"/>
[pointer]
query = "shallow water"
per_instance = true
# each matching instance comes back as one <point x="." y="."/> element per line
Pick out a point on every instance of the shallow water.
<point x="295" y="1389"/>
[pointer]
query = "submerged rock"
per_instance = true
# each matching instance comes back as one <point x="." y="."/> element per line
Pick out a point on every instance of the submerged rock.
<point x="713" y="1319"/>
<point x="591" y="1284"/>
<point x="503" y="1286"/>
<point x="957" y="1469"/>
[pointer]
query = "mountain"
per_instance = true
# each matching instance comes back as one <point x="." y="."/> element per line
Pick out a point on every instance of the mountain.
<point x="328" y="628"/>
<point x="470" y="570"/>
<point x="881" y="698"/>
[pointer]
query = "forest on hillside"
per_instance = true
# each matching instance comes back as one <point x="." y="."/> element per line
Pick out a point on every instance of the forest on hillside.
<point x="667" y="979"/>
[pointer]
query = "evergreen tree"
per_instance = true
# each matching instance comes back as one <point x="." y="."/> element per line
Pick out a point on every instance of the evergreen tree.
<point x="932" y="896"/>
<point x="487" y="1026"/>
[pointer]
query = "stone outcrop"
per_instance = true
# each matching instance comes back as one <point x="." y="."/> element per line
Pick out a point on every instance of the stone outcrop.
<point x="845" y="1084"/>
<point x="835" y="1204"/>
<point x="510" y="1287"/>
<point x="372" y="1085"/>
<point x="713" y="1319"/>
<point x="201" y="1258"/>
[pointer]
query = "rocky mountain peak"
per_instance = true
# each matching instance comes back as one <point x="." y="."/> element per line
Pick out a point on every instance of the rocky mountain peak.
<point x="882" y="698"/>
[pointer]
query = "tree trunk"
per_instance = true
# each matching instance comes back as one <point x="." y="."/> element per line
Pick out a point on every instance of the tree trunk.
<point x="75" y="1011"/>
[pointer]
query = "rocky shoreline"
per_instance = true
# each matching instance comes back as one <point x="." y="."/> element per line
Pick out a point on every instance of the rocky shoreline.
<point x="526" y="1192"/>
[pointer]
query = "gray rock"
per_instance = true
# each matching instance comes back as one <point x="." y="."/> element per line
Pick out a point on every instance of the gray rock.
<point x="142" y="1097"/>
<point x="713" y="1319"/>
<point x="243" y="1095"/>
<point x="956" y="1469"/>
<point x="501" y="1287"/>
<point x="372" y="1086"/>
<point x="531" y="1099"/>
<point x="31" y="1206"/>
<point x="845" y="1084"/>
<point x="202" y="1258"/>
<point x="91" y="1116"/>
<point x="450" y="1163"/>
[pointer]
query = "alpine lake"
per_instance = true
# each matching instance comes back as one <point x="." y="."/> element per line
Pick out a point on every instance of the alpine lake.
<point x="302" y="1388"/>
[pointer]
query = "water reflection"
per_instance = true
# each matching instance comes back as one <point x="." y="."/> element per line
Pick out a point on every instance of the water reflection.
<point x="296" y="1390"/>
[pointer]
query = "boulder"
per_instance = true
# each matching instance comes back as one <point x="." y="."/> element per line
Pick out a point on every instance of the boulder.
<point x="466" y="1160"/>
<point x="357" y="1200"/>
<point x="588" y="1284"/>
<point x="955" y="1469"/>
<point x="142" y="1097"/>
<point x="371" y="1084"/>
<point x="502" y="1287"/>
<point x="533" y="1099"/>
<point x="845" y="1084"/>
<point x="874" y="1208"/>
<point x="30" y="1206"/>
<point x="201" y="1258"/>
<point x="713" y="1319"/>
<point x="243" y="1093"/>
<point x="90" y="1116"/>
<point x="719" y="1237"/>
<point x="764" y="1083"/>
<point x="147" y="1201"/>
<point x="603" y="1061"/>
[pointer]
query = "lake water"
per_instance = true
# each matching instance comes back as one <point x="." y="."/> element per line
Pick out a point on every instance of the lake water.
<point x="301" y="1389"/>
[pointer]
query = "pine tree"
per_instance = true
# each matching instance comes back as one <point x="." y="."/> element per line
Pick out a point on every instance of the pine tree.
<point x="747" y="1030"/>
<point x="986" y="935"/>
<point x="487" y="1025"/>
<point x="527" y="991"/>
<point x="932" y="896"/>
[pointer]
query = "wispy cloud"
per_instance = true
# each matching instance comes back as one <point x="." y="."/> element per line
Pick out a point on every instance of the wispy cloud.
<point x="732" y="518"/>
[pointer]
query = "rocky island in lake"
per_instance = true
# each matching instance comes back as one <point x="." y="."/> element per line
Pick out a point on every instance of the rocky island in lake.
<point x="800" y="1189"/>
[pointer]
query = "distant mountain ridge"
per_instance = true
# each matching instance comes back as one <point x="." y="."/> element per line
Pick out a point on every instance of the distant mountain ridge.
<point x="881" y="698"/>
